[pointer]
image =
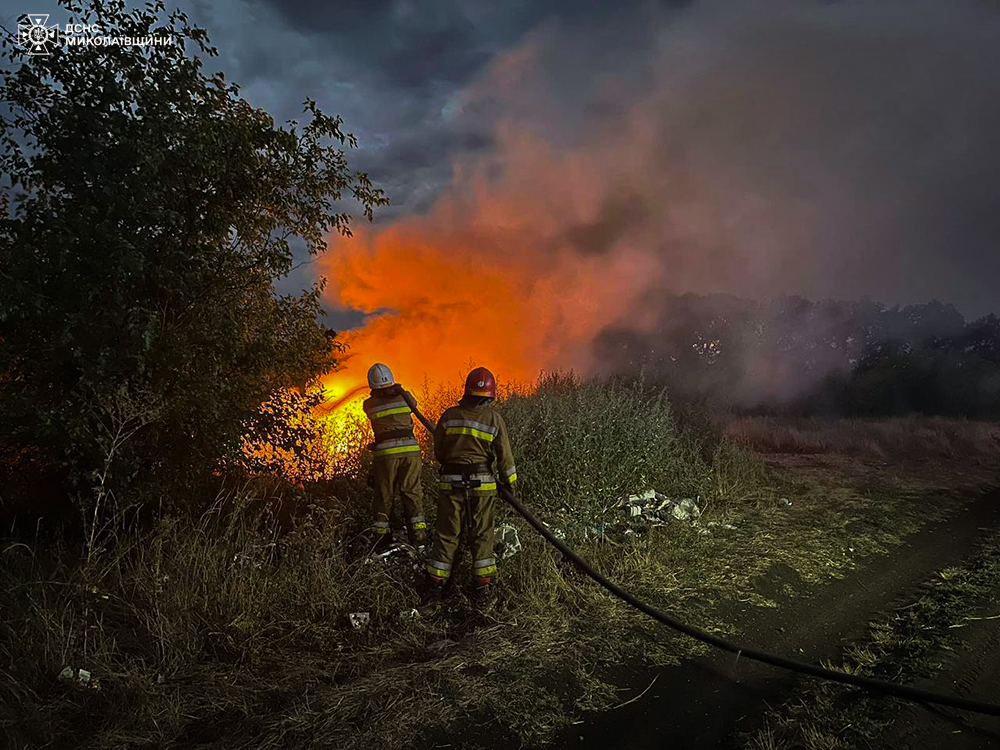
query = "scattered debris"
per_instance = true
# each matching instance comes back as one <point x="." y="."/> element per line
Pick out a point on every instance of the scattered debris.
<point x="507" y="543"/>
<point x="400" y="552"/>
<point x="359" y="620"/>
<point x="685" y="510"/>
<point x="391" y="551"/>
<point x="716" y="524"/>
<point x="557" y="533"/>
<point x="658" y="509"/>
<point x="600" y="531"/>
<point x="80" y="677"/>
<point x="409" y="614"/>
<point x="642" y="511"/>
<point x="784" y="501"/>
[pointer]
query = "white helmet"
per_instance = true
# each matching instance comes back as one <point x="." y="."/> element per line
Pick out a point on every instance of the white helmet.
<point x="379" y="376"/>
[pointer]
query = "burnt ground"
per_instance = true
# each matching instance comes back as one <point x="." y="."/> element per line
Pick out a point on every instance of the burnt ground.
<point x="711" y="701"/>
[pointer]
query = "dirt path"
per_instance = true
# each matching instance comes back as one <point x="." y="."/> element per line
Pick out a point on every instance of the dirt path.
<point x="971" y="670"/>
<point x="706" y="702"/>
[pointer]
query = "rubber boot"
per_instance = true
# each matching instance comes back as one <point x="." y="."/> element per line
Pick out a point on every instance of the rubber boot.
<point x="382" y="542"/>
<point x="418" y="537"/>
<point x="433" y="591"/>
<point x="482" y="589"/>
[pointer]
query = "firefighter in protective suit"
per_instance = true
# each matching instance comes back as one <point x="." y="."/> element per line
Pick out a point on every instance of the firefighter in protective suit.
<point x="469" y="438"/>
<point x="396" y="465"/>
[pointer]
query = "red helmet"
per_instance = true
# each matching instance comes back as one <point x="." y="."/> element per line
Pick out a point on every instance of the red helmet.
<point x="481" y="383"/>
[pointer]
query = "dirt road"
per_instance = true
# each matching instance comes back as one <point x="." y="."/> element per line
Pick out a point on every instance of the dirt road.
<point x="971" y="670"/>
<point x="707" y="702"/>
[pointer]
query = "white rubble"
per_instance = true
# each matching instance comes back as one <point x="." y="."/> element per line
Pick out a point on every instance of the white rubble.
<point x="658" y="509"/>
<point x="507" y="542"/>
<point x="79" y="676"/>
<point x="359" y="620"/>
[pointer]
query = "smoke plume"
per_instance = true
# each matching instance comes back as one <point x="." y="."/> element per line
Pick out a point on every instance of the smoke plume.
<point x="823" y="149"/>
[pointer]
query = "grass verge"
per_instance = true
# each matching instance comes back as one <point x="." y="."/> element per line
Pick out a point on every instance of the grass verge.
<point x="901" y="648"/>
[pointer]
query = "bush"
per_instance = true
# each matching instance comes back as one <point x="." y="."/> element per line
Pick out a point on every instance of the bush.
<point x="152" y="212"/>
<point x="286" y="438"/>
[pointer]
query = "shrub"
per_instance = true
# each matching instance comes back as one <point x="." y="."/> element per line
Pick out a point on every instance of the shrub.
<point x="582" y="446"/>
<point x="139" y="324"/>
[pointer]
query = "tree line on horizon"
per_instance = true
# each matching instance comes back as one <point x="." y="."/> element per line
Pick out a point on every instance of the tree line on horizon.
<point x="832" y="358"/>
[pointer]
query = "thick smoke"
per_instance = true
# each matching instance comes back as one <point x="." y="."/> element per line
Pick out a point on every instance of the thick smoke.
<point x="823" y="149"/>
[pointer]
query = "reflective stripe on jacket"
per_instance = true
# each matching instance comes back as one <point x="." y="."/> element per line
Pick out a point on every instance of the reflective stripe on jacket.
<point x="487" y="482"/>
<point x="396" y="446"/>
<point x="475" y="435"/>
<point x="391" y="417"/>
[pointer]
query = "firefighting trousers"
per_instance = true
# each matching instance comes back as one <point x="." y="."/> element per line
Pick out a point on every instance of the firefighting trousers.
<point x="399" y="474"/>
<point x="475" y="516"/>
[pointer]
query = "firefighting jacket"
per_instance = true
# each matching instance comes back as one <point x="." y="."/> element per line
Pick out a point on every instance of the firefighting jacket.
<point x="390" y="415"/>
<point x="474" y="436"/>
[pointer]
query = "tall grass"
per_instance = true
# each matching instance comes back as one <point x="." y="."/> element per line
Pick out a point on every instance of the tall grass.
<point x="582" y="447"/>
<point x="219" y="631"/>
<point x="915" y="437"/>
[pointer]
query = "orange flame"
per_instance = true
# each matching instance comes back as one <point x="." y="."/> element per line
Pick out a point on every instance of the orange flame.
<point x="342" y="407"/>
<point x="335" y="403"/>
<point x="494" y="273"/>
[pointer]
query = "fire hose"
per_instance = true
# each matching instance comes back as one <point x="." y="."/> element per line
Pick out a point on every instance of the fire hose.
<point x="868" y="683"/>
<point x="416" y="412"/>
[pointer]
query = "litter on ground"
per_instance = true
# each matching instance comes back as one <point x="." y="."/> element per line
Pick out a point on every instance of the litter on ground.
<point x="600" y="531"/>
<point x="507" y="542"/>
<point x="557" y="533"/>
<point x="359" y="620"/>
<point x="81" y="677"/>
<point x="399" y="552"/>
<point x="727" y="526"/>
<point x="658" y="509"/>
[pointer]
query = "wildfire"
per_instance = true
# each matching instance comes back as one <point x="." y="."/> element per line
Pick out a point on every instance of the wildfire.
<point x="342" y="409"/>
<point x="444" y="318"/>
<point x="516" y="267"/>
<point x="439" y="306"/>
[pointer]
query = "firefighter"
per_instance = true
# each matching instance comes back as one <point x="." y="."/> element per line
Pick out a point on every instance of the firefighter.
<point x="396" y="465"/>
<point x="469" y="437"/>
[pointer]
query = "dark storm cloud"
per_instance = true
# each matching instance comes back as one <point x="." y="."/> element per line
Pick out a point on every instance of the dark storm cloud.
<point x="392" y="69"/>
<point x="824" y="148"/>
<point x="832" y="150"/>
